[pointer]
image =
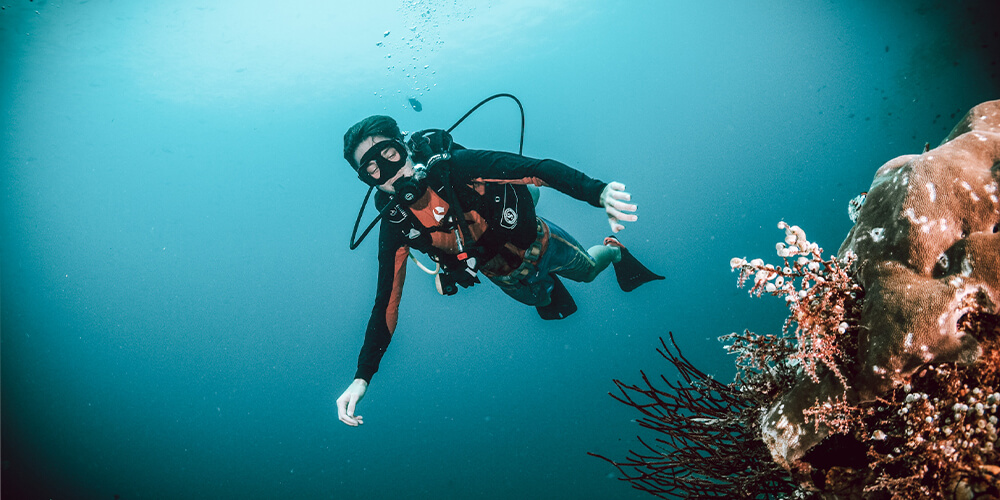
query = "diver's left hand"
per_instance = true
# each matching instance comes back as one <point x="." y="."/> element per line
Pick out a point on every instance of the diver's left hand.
<point x="613" y="200"/>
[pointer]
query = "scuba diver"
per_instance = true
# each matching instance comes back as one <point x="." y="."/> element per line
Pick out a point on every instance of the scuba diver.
<point x="473" y="213"/>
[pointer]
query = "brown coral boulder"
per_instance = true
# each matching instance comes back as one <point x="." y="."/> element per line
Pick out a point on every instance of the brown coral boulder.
<point x="928" y="243"/>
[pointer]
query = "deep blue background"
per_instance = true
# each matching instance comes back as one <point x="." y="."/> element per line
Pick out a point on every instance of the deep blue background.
<point x="179" y="306"/>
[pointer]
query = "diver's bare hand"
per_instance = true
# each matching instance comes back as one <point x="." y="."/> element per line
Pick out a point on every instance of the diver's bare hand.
<point x="347" y="402"/>
<point x="614" y="199"/>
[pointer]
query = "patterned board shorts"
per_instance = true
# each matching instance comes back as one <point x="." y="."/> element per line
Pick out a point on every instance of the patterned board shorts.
<point x="564" y="256"/>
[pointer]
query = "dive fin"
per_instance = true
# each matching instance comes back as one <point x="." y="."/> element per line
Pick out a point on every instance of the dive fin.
<point x="561" y="305"/>
<point x="629" y="271"/>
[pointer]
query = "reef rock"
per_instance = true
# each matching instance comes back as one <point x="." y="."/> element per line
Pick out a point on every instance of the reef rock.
<point x="927" y="241"/>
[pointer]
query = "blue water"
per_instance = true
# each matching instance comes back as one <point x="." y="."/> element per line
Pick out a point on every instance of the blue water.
<point x="180" y="309"/>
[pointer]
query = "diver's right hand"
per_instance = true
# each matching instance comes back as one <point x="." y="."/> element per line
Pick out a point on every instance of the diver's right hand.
<point x="349" y="399"/>
<point x="614" y="200"/>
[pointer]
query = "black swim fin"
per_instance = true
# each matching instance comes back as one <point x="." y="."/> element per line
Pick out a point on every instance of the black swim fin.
<point x="561" y="305"/>
<point x="629" y="271"/>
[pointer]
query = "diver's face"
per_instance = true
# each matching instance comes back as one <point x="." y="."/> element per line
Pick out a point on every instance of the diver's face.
<point x="372" y="168"/>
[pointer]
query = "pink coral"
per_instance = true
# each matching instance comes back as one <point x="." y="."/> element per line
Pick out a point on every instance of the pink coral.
<point x="818" y="292"/>
<point x="823" y="303"/>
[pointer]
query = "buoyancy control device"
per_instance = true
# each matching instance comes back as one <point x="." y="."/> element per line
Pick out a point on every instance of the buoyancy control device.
<point x="430" y="149"/>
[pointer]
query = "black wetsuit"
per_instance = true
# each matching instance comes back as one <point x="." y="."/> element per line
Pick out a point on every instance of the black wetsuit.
<point x="398" y="233"/>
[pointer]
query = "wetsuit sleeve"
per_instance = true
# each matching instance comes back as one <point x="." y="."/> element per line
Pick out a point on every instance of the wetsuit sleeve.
<point x="497" y="166"/>
<point x="392" y="254"/>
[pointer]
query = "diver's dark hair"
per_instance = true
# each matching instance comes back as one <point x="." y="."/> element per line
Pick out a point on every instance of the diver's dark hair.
<point x="374" y="125"/>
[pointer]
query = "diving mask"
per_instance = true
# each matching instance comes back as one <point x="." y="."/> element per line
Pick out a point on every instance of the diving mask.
<point x="388" y="156"/>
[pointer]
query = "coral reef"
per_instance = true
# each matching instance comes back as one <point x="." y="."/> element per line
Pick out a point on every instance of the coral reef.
<point x="935" y="435"/>
<point x="928" y="251"/>
<point x="710" y="443"/>
<point x="885" y="381"/>
<point x="823" y="301"/>
<point x="928" y="237"/>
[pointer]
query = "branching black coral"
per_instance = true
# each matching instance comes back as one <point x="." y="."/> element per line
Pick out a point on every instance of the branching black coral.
<point x="707" y="444"/>
<point x="765" y="363"/>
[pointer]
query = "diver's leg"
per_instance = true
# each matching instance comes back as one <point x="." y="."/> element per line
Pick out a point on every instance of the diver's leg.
<point x="533" y="290"/>
<point x="567" y="257"/>
<point x="578" y="265"/>
<point x="629" y="272"/>
<point x="604" y="255"/>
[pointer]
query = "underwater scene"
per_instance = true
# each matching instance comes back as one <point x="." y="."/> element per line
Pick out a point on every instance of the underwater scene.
<point x="182" y="315"/>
